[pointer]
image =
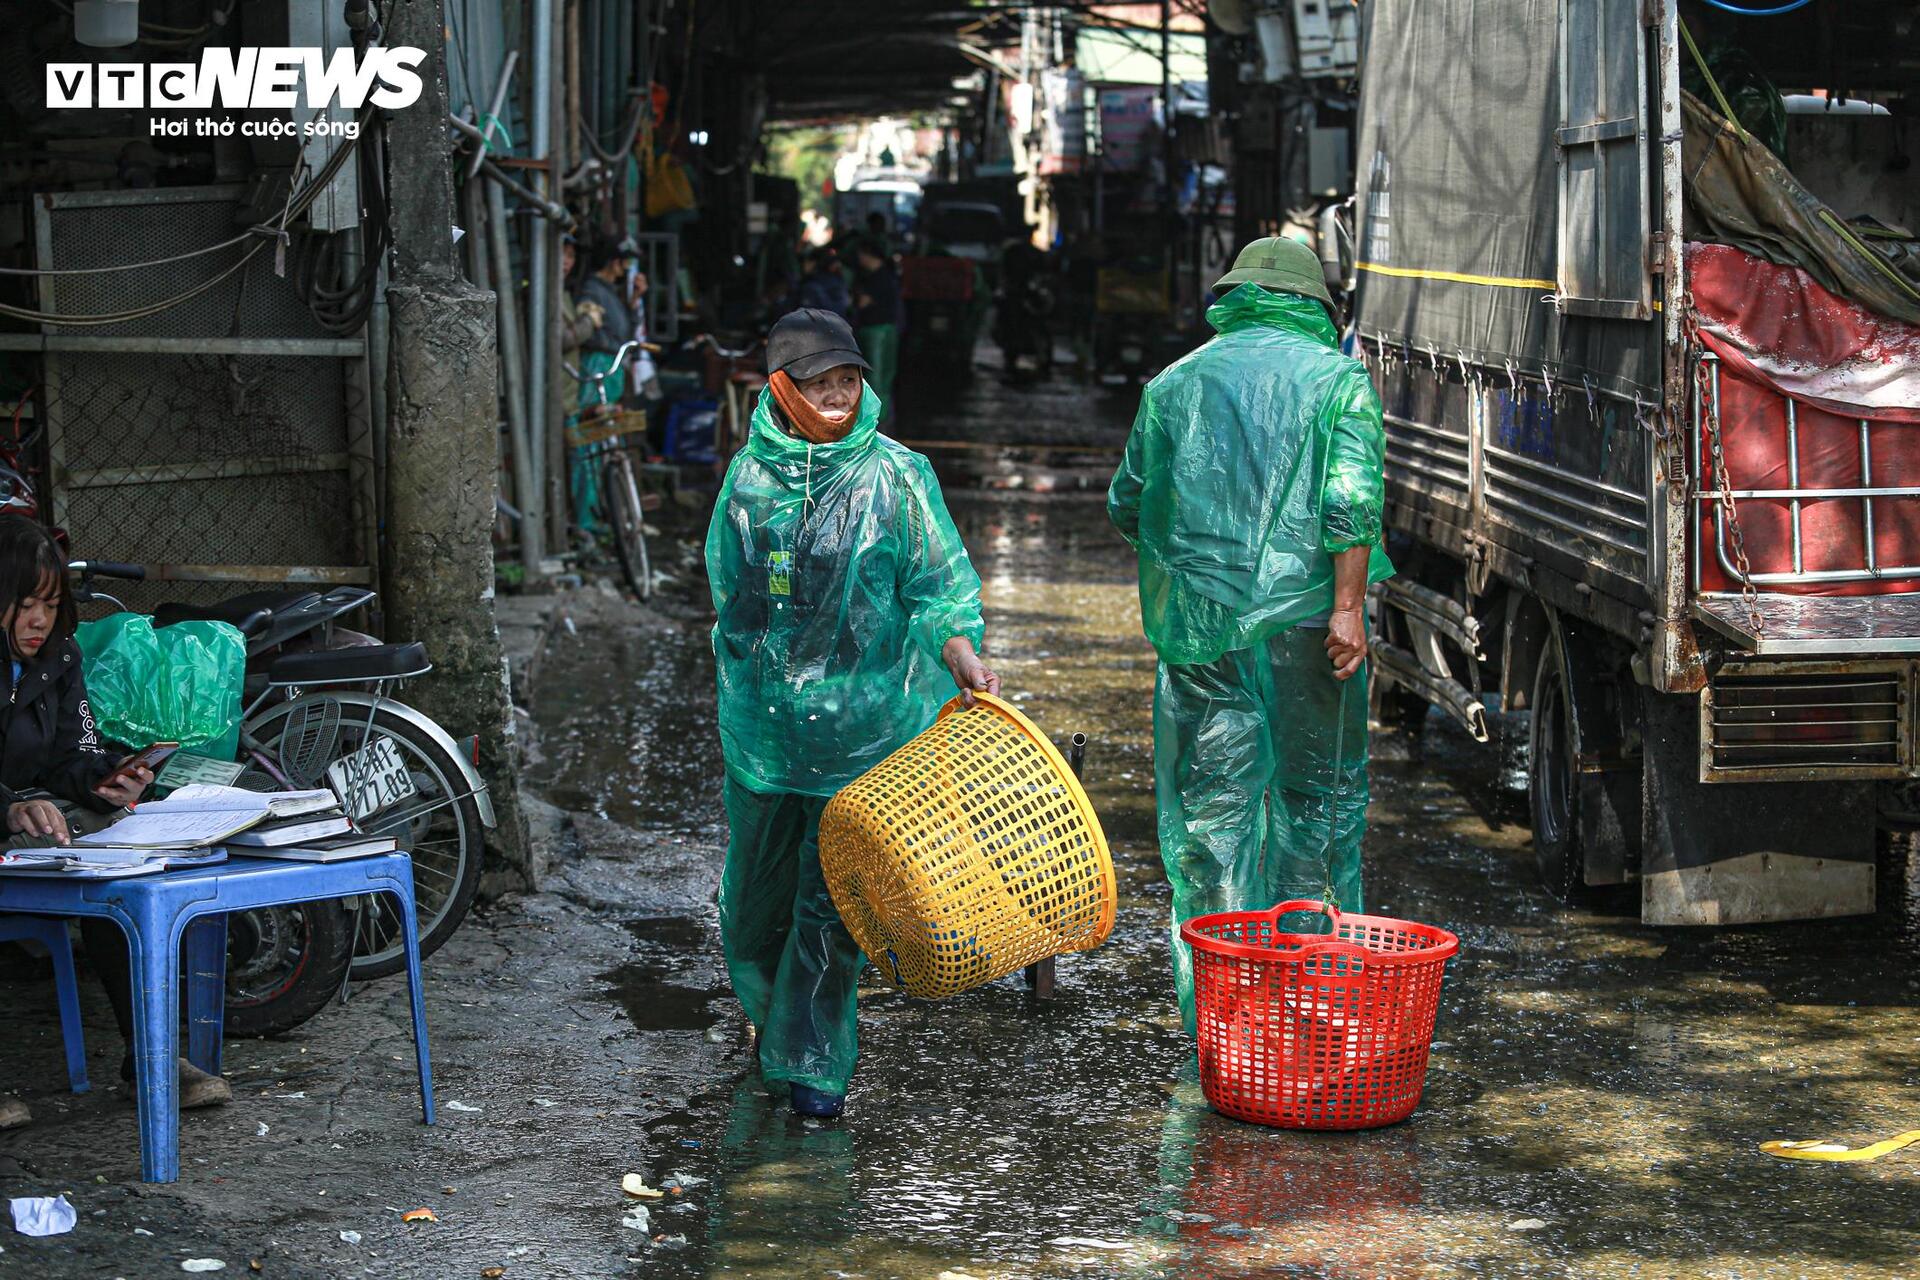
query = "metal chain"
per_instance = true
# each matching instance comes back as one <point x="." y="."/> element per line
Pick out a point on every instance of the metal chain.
<point x="1723" y="480"/>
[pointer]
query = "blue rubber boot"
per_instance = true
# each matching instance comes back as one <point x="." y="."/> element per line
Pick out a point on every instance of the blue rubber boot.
<point x="816" y="1102"/>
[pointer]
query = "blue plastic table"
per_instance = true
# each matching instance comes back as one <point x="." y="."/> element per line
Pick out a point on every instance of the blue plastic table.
<point x="172" y="912"/>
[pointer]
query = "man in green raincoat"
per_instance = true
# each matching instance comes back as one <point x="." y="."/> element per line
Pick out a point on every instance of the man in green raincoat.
<point x="1252" y="490"/>
<point x="848" y="613"/>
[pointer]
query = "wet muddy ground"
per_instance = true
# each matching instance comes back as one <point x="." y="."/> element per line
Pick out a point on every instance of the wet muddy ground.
<point x="1597" y="1094"/>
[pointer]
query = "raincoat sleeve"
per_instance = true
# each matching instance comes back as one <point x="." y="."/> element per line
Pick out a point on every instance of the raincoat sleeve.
<point x="723" y="546"/>
<point x="1123" y="495"/>
<point x="939" y="587"/>
<point x="1353" y="490"/>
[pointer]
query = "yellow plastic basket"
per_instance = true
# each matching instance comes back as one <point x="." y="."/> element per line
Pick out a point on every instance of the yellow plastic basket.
<point x="967" y="854"/>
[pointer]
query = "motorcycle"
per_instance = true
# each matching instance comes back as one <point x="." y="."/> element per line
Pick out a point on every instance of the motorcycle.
<point x="1124" y="348"/>
<point x="1022" y="327"/>
<point x="319" y="712"/>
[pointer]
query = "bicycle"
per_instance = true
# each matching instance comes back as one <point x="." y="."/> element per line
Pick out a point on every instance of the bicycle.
<point x="602" y="434"/>
<point x="317" y="716"/>
<point x="740" y="375"/>
<point x="16" y="485"/>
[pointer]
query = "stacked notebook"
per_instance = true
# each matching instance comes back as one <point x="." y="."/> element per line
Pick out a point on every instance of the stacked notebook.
<point x="98" y="863"/>
<point x="306" y="826"/>
<point x="200" y="824"/>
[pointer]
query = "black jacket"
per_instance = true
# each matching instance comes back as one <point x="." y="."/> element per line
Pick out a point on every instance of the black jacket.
<point x="616" y="319"/>
<point x="882" y="288"/>
<point x="48" y="739"/>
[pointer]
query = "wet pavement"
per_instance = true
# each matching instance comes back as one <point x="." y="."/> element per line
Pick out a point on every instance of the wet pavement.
<point x="1597" y="1094"/>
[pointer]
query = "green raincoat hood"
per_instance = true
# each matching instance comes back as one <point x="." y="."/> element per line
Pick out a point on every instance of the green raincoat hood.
<point x="1249" y="305"/>
<point x="1252" y="462"/>
<point x="837" y="578"/>
<point x="769" y="441"/>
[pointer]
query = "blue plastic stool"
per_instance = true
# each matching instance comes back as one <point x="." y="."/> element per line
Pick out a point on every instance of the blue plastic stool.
<point x="52" y="934"/>
<point x="185" y="912"/>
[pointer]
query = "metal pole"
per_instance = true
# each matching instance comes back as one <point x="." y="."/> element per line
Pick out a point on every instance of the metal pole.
<point x="643" y="56"/>
<point x="493" y="112"/>
<point x="1166" y="108"/>
<point x="1040" y="974"/>
<point x="540" y="300"/>
<point x="557" y="385"/>
<point x="513" y="385"/>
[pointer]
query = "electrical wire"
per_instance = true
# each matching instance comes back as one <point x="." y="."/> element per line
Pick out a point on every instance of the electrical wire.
<point x="137" y="266"/>
<point x="1759" y="13"/>
<point x="297" y="203"/>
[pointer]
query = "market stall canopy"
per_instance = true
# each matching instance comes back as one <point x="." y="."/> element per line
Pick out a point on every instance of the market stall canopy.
<point x="849" y="58"/>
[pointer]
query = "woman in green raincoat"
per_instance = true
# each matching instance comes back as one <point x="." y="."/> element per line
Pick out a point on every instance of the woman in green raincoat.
<point x="847" y="614"/>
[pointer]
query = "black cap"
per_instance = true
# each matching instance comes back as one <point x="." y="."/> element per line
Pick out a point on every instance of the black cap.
<point x="808" y="342"/>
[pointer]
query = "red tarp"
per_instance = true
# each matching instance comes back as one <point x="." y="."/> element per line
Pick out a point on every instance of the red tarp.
<point x="1780" y="335"/>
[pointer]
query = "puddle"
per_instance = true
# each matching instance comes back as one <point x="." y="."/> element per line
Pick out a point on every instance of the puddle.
<point x="1596" y="1096"/>
<point x="653" y="987"/>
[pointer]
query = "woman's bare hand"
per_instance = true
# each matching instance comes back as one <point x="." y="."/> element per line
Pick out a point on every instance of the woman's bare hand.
<point x="969" y="673"/>
<point x="38" y="818"/>
<point x="127" y="790"/>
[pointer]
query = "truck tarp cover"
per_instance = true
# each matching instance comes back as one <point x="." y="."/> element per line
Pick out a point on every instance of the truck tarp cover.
<point x="1459" y="102"/>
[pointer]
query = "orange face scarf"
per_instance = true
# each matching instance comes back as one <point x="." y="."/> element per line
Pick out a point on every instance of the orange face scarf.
<point x="809" y="423"/>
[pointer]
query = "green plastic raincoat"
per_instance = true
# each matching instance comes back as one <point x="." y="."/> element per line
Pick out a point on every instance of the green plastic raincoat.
<point x="837" y="578"/>
<point x="1252" y="462"/>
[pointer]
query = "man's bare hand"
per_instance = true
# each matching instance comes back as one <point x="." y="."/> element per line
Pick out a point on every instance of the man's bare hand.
<point x="1346" y="641"/>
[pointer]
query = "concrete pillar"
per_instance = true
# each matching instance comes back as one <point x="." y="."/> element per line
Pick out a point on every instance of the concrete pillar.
<point x="443" y="413"/>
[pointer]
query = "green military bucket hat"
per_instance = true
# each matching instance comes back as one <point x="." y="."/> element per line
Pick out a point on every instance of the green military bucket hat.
<point x="1275" y="262"/>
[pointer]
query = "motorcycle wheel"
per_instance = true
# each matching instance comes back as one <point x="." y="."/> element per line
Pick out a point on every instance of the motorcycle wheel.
<point x="284" y="964"/>
<point x="439" y="826"/>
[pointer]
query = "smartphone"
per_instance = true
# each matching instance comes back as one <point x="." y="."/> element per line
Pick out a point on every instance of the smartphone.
<point x="150" y="758"/>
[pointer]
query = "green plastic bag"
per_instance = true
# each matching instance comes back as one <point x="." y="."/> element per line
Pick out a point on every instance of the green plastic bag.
<point x="175" y="684"/>
<point x="1252" y="462"/>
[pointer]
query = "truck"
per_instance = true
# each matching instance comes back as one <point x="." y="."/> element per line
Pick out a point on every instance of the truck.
<point x="1635" y="282"/>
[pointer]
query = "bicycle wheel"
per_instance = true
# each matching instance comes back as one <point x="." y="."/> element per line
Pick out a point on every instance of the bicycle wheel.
<point x="438" y="824"/>
<point x="624" y="513"/>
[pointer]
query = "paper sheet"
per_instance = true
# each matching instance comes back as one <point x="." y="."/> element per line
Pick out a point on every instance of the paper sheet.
<point x="42" y="1215"/>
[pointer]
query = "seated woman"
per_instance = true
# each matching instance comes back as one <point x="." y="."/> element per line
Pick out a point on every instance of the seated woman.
<point x="50" y="745"/>
<point x="847" y="614"/>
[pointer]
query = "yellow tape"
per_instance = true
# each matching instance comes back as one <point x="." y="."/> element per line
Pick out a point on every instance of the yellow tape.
<point x="1458" y="277"/>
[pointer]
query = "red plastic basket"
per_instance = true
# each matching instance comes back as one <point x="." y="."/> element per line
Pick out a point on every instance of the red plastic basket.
<point x="1315" y="1031"/>
<point x="936" y="279"/>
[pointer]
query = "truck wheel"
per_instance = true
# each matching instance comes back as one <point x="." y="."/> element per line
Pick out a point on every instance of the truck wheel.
<point x="1552" y="783"/>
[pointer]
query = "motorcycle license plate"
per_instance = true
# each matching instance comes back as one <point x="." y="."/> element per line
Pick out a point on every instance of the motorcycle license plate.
<point x="371" y="779"/>
<point x="939" y="324"/>
<point x="1131" y="354"/>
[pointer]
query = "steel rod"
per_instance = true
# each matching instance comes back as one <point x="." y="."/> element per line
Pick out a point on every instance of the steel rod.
<point x="1793" y="477"/>
<point x="493" y="112"/>
<point x="513" y="386"/>
<point x="1866" y="499"/>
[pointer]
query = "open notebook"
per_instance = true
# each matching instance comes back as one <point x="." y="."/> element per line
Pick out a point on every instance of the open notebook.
<point x="200" y="815"/>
